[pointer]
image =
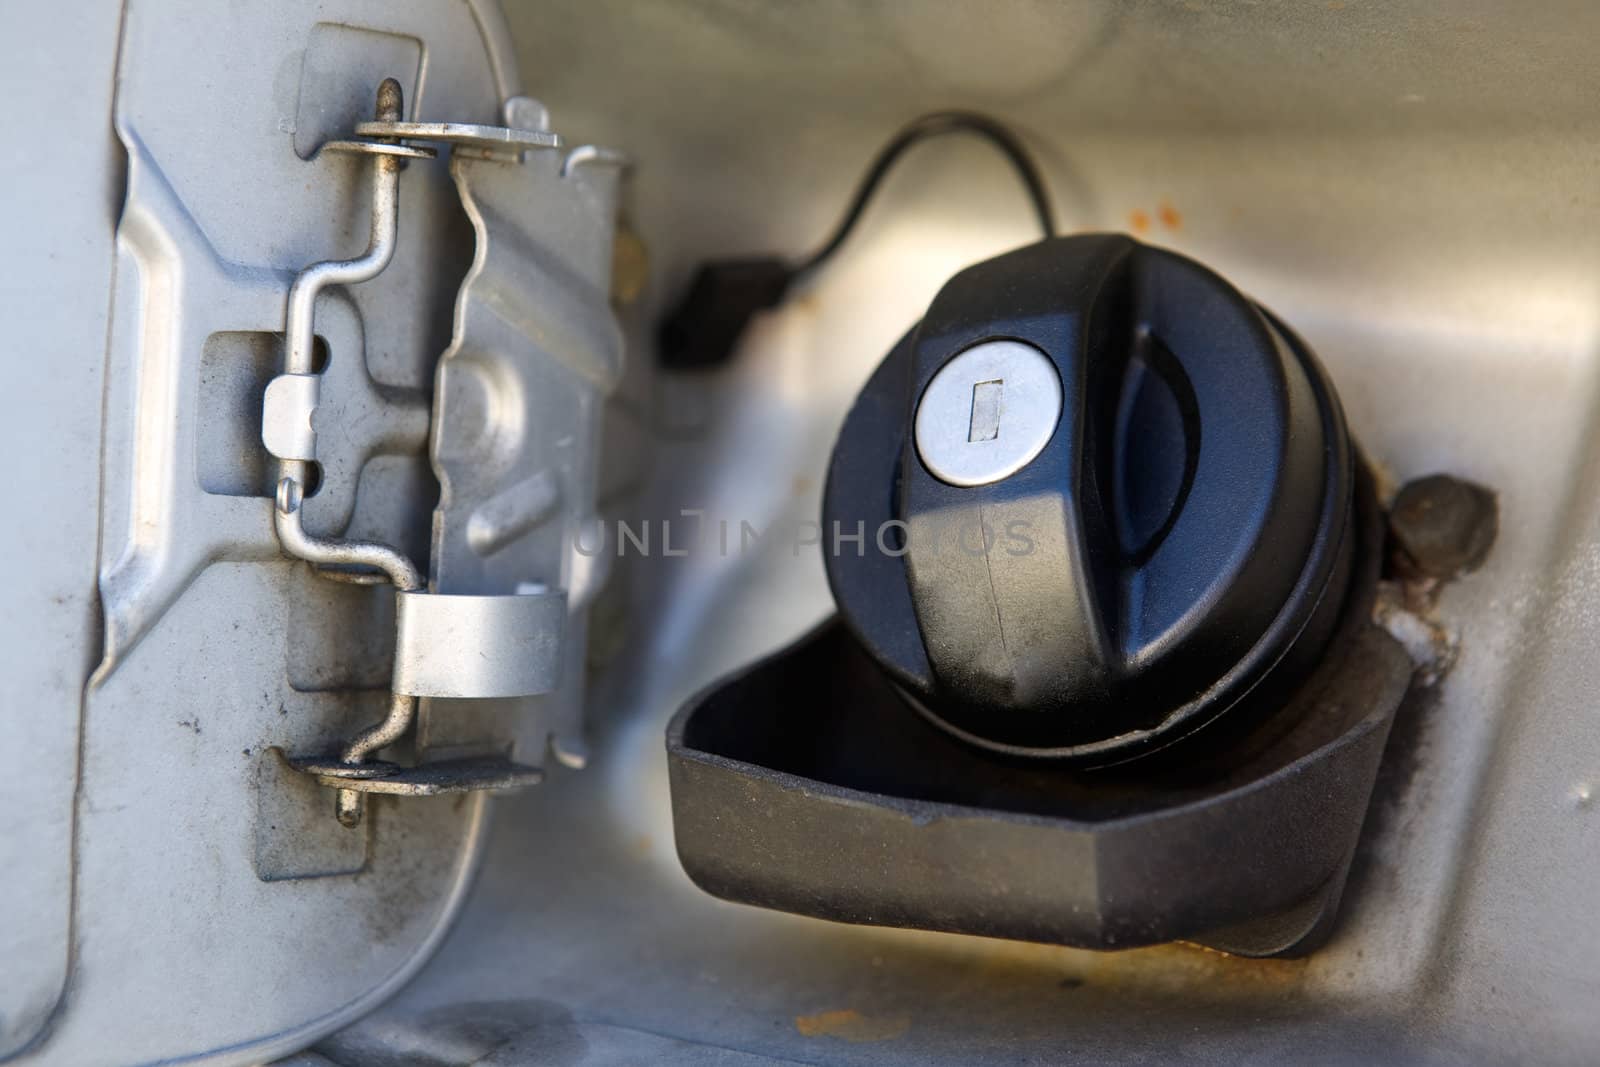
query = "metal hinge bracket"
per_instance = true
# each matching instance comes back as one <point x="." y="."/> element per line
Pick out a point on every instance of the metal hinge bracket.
<point x="455" y="646"/>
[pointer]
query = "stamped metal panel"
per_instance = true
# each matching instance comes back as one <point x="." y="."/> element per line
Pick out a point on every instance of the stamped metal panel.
<point x="219" y="912"/>
<point x="535" y="352"/>
<point x="59" y="65"/>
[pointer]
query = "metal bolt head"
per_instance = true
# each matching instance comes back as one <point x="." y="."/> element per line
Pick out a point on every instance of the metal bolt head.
<point x="987" y="413"/>
<point x="1443" y="526"/>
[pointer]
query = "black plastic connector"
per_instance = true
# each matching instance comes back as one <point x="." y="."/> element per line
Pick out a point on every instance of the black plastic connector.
<point x="704" y="328"/>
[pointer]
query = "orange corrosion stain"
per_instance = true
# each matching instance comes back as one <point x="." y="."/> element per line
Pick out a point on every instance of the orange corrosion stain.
<point x="847" y="1024"/>
<point x="1139" y="222"/>
<point x="1169" y="216"/>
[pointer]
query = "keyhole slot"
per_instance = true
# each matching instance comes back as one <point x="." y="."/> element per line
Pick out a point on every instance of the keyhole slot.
<point x="984" y="424"/>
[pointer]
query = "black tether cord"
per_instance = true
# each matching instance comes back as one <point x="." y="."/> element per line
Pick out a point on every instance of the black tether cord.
<point x="703" y="328"/>
<point x="921" y="129"/>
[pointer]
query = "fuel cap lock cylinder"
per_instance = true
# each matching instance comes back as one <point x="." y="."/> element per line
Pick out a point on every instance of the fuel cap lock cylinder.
<point x="1103" y="671"/>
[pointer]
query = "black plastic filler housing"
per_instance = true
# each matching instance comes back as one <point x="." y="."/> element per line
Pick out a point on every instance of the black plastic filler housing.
<point x="1118" y="689"/>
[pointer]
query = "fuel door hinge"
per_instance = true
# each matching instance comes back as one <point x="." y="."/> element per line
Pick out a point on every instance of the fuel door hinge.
<point x="478" y="645"/>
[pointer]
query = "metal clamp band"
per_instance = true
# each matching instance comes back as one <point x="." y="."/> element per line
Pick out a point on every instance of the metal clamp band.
<point x="478" y="646"/>
<point x="286" y="410"/>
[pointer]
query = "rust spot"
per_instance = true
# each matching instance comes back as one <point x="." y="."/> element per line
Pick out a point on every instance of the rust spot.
<point x="847" y="1024"/>
<point x="630" y="266"/>
<point x="802" y="485"/>
<point x="1139" y="222"/>
<point x="1169" y="216"/>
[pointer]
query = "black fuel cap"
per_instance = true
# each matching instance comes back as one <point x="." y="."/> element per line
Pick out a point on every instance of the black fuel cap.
<point x="1106" y="502"/>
